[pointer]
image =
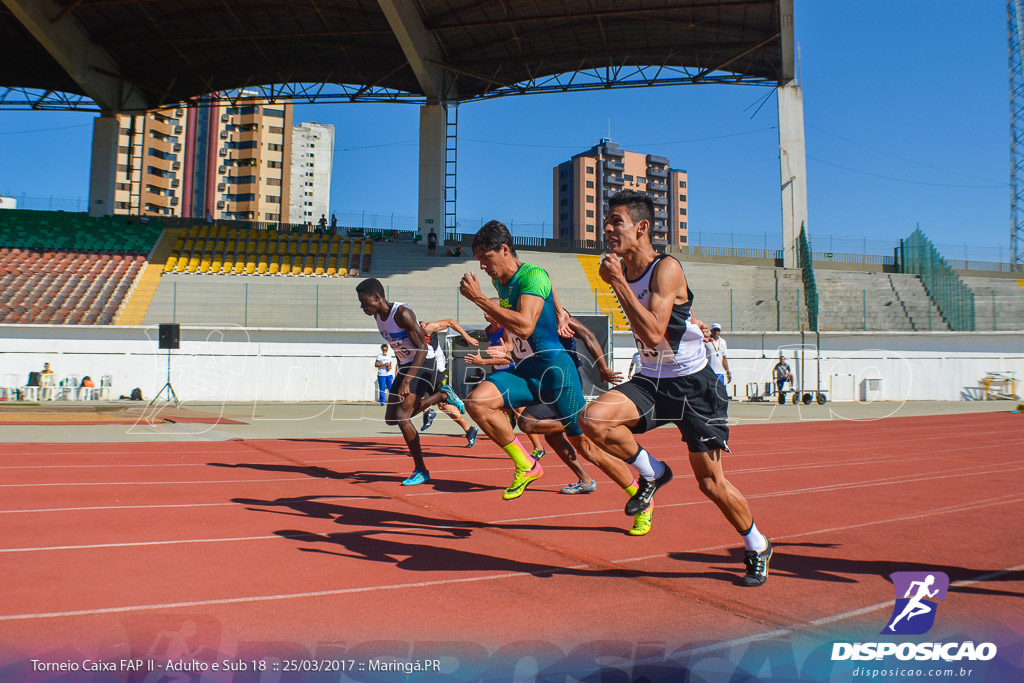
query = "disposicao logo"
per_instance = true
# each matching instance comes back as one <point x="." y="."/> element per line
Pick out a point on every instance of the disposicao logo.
<point x="914" y="614"/>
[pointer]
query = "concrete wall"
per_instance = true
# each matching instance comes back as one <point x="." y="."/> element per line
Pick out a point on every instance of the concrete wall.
<point x="236" y="364"/>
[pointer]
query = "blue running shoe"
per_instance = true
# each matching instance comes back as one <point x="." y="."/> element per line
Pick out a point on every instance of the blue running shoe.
<point x="428" y="419"/>
<point x="418" y="477"/>
<point x="471" y="437"/>
<point x="452" y="398"/>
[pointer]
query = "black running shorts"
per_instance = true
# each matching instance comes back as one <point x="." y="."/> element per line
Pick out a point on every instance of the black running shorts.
<point x="696" y="404"/>
<point x="425" y="382"/>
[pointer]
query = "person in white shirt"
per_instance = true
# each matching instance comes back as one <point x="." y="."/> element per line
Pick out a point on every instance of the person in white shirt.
<point x="716" y="349"/>
<point x="384" y="377"/>
<point x="634" y="365"/>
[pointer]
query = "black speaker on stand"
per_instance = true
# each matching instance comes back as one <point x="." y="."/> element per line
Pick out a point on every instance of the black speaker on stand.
<point x="169" y="338"/>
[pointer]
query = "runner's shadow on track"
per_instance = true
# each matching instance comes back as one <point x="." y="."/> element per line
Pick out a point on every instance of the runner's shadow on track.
<point x="849" y="570"/>
<point x="346" y="444"/>
<point x="360" y="477"/>
<point x="431" y="557"/>
<point x="361" y="516"/>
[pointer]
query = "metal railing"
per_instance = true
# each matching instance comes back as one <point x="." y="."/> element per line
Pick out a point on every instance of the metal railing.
<point x="953" y="298"/>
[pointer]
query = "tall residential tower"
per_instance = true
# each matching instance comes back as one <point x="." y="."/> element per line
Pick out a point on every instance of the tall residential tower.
<point x="312" y="161"/>
<point x="202" y="159"/>
<point x="584" y="183"/>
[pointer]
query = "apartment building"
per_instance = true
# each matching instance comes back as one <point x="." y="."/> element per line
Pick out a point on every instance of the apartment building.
<point x="584" y="183"/>
<point x="205" y="159"/>
<point x="312" y="161"/>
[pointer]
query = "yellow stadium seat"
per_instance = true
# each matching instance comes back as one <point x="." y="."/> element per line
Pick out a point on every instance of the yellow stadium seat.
<point x="229" y="265"/>
<point x="319" y="270"/>
<point x="231" y="246"/>
<point x="293" y="249"/>
<point x="331" y="270"/>
<point x="303" y="249"/>
<point x="286" y="265"/>
<point x="274" y="268"/>
<point x="272" y="247"/>
<point x="204" y="232"/>
<point x="193" y="265"/>
<point x="239" y="267"/>
<point x="189" y="245"/>
<point x="179" y="245"/>
<point x="219" y="245"/>
<point x="172" y="261"/>
<point x="193" y="232"/>
<point x="216" y="265"/>
<point x="250" y="268"/>
<point x="325" y="247"/>
<point x="222" y="233"/>
<point x="368" y="248"/>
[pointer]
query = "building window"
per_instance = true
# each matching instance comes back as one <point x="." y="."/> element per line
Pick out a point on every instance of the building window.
<point x="682" y="184"/>
<point x="274" y="164"/>
<point x="276" y="113"/>
<point x="276" y="130"/>
<point x="590" y="228"/>
<point x="274" y="182"/>
<point x="272" y="199"/>
<point x="590" y="169"/>
<point x="682" y="197"/>
<point x="564" y="202"/>
<point x="682" y="226"/>
<point x="590" y="184"/>
<point x="590" y="213"/>
<point x="274" y="147"/>
<point x="564" y="188"/>
<point x="682" y="239"/>
<point x="565" y="216"/>
<point x="682" y="212"/>
<point x="590" y="199"/>
<point x="628" y="177"/>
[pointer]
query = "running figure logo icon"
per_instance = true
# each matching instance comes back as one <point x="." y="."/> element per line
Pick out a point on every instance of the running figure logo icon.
<point x="914" y="613"/>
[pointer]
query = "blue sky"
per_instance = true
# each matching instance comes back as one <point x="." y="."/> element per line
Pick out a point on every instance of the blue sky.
<point x="905" y="109"/>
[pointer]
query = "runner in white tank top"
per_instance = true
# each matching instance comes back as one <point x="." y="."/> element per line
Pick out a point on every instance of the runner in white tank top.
<point x="674" y="385"/>
<point x="417" y="384"/>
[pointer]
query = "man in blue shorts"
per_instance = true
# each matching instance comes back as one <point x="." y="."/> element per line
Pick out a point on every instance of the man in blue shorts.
<point x="526" y="309"/>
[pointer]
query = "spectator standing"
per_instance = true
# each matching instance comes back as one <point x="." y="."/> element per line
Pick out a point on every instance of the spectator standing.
<point x="782" y="373"/>
<point x="717" y="356"/>
<point x="384" y="377"/>
<point x="321" y="225"/>
<point x="334" y="224"/>
<point x="431" y="243"/>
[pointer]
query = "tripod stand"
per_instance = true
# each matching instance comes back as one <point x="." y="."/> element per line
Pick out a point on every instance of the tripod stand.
<point x="171" y="396"/>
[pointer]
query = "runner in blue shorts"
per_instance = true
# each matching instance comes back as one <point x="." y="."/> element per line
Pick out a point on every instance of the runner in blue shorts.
<point x="526" y="308"/>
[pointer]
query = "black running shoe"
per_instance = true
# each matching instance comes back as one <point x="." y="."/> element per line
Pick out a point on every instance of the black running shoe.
<point x="428" y="419"/>
<point x="757" y="566"/>
<point x="641" y="500"/>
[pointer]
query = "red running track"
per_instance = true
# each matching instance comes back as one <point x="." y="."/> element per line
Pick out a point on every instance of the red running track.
<point x="109" y="548"/>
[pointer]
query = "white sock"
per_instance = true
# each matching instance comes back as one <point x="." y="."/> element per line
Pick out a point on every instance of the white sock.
<point x="646" y="466"/>
<point x="754" y="539"/>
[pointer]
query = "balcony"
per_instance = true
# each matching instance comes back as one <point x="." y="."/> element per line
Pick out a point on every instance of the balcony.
<point x="659" y="201"/>
<point x="613" y="150"/>
<point x="661" y="213"/>
<point x="614" y="166"/>
<point x="656" y="160"/>
<point x="657" y="187"/>
<point x="657" y="172"/>
<point x="613" y="180"/>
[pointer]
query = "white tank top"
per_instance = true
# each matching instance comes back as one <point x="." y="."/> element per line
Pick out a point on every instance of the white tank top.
<point x="681" y="351"/>
<point x="398" y="338"/>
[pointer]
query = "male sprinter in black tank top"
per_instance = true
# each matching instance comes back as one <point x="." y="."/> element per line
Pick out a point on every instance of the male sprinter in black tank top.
<point x="674" y="384"/>
<point x="418" y="385"/>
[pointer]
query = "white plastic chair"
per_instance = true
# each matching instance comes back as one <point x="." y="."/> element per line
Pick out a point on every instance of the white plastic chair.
<point x="9" y="387"/>
<point x="48" y="386"/>
<point x="103" y="391"/>
<point x="68" y="387"/>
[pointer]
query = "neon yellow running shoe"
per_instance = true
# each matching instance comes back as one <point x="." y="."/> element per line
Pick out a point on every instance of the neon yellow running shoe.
<point x="521" y="480"/>
<point x="642" y="522"/>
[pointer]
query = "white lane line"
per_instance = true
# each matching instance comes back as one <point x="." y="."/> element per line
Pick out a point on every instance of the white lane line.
<point x="153" y="483"/>
<point x="175" y="505"/>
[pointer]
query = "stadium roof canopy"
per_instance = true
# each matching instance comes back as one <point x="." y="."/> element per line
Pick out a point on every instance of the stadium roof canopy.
<point x="122" y="55"/>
